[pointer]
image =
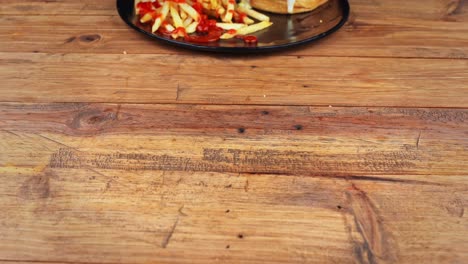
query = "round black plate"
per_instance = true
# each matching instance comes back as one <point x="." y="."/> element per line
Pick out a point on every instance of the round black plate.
<point x="287" y="30"/>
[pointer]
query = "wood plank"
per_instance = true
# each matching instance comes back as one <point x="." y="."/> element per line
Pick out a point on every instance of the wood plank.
<point x="297" y="80"/>
<point x="242" y="139"/>
<point x="384" y="30"/>
<point x="104" y="183"/>
<point x="182" y="217"/>
<point x="62" y="7"/>
<point x="431" y="10"/>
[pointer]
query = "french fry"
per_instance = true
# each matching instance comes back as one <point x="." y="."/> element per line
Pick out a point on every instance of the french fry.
<point x="149" y="16"/>
<point x="229" y="26"/>
<point x="183" y="14"/>
<point x="248" y="30"/>
<point x="192" y="27"/>
<point x="206" y="6"/>
<point x="221" y="11"/>
<point x="146" y="18"/>
<point x="188" y="21"/>
<point x="248" y="21"/>
<point x="157" y="24"/>
<point x="164" y="11"/>
<point x="176" y="18"/>
<point x="169" y="27"/>
<point x="190" y="11"/>
<point x="227" y="18"/>
<point x="252" y="13"/>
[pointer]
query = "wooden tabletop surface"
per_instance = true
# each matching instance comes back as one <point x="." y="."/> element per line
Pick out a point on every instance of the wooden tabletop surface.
<point x="118" y="149"/>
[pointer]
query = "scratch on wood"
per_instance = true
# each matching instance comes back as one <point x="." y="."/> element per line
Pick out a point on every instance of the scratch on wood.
<point x="246" y="186"/>
<point x="383" y="179"/>
<point x="181" y="212"/>
<point x="117" y="113"/>
<point x="366" y="141"/>
<point x="10" y="132"/>
<point x="418" y="139"/>
<point x="167" y="239"/>
<point x="375" y="243"/>
<point x="178" y="92"/>
<point x="56" y="142"/>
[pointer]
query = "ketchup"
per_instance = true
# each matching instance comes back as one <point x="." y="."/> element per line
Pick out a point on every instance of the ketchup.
<point x="145" y="7"/>
<point x="212" y="36"/>
<point x="198" y="7"/>
<point x="207" y="31"/>
<point x="250" y="39"/>
<point x="241" y="17"/>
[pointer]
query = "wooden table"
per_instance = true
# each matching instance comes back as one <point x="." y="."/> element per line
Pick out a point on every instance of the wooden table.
<point x="117" y="149"/>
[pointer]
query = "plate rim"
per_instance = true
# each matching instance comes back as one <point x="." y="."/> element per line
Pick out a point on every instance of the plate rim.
<point x="194" y="46"/>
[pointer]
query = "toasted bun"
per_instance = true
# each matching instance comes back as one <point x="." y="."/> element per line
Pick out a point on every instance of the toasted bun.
<point x="287" y="6"/>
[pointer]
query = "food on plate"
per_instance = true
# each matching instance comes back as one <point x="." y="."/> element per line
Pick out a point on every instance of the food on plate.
<point x="287" y="6"/>
<point x="202" y="21"/>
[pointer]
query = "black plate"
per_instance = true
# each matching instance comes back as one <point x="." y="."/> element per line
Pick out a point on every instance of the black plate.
<point x="287" y="30"/>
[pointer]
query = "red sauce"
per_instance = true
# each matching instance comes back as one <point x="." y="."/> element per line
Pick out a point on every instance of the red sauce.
<point x="162" y="29"/>
<point x="206" y="25"/>
<point x="179" y="31"/>
<point x="198" y="7"/>
<point x="232" y="31"/>
<point x="144" y="8"/>
<point x="251" y="39"/>
<point x="211" y="36"/>
<point x="241" y="17"/>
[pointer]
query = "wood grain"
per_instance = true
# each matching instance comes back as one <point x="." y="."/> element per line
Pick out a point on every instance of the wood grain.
<point x="116" y="149"/>
<point x="233" y="80"/>
<point x="386" y="29"/>
<point x="182" y="217"/>
<point x="229" y="184"/>
<point x="238" y="139"/>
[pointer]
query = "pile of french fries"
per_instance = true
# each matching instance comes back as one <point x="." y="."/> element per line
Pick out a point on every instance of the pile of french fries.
<point x="179" y="17"/>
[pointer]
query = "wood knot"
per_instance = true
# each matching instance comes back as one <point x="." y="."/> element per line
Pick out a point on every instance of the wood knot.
<point x="90" y="38"/>
<point x="93" y="120"/>
<point x="452" y="7"/>
<point x="36" y="187"/>
<point x="298" y="127"/>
